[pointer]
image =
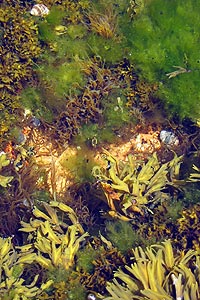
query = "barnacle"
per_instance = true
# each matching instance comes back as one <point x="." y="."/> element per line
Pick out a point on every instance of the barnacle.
<point x="157" y="273"/>
<point x="54" y="244"/>
<point x="129" y="186"/>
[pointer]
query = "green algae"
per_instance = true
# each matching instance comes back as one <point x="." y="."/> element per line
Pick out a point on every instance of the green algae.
<point x="110" y="50"/>
<point x="122" y="236"/>
<point x="164" y="35"/>
<point x="63" y="78"/>
<point x="33" y="102"/>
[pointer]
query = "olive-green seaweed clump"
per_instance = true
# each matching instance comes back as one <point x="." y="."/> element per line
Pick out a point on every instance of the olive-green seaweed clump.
<point x="19" y="46"/>
<point x="106" y="39"/>
<point x="164" y="43"/>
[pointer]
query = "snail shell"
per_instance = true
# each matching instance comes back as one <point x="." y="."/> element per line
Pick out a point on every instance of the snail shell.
<point x="91" y="296"/>
<point x="169" y="138"/>
<point x="39" y="10"/>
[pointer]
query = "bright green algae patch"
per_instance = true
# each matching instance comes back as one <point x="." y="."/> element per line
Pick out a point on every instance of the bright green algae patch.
<point x="162" y="38"/>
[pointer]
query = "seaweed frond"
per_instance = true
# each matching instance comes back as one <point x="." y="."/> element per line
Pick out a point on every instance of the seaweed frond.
<point x="12" y="265"/>
<point x="194" y="177"/>
<point x="132" y="186"/>
<point x="56" y="243"/>
<point x="105" y="23"/>
<point x="4" y="180"/>
<point x="157" y="273"/>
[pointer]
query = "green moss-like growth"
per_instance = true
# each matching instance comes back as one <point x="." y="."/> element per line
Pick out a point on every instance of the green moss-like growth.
<point x="116" y="113"/>
<point x="56" y="15"/>
<point x="85" y="258"/>
<point x="122" y="236"/>
<point x="115" y="116"/>
<point x="174" y="210"/>
<point x="46" y="27"/>
<point x="77" y="291"/>
<point x="63" y="77"/>
<point x="110" y="50"/>
<point x="66" y="284"/>
<point x="59" y="70"/>
<point x="79" y="163"/>
<point x="163" y="38"/>
<point x="106" y="39"/>
<point x="93" y="135"/>
<point x="31" y="99"/>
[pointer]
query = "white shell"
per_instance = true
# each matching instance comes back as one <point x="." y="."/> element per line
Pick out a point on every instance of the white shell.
<point x="169" y="138"/>
<point x="39" y="10"/>
<point x="91" y="296"/>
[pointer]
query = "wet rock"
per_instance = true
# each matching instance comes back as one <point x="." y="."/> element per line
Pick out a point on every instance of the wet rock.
<point x="169" y="138"/>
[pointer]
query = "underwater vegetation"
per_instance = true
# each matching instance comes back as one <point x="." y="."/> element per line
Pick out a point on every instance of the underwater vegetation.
<point x="54" y="246"/>
<point x="135" y="187"/>
<point x="195" y="177"/>
<point x="4" y="180"/>
<point x="67" y="72"/>
<point x="170" y="220"/>
<point x="157" y="272"/>
<point x="163" y="40"/>
<point x="18" y="48"/>
<point x="94" y="111"/>
<point x="104" y="38"/>
<point x="104" y="24"/>
<point x="122" y="235"/>
<point x="12" y="265"/>
<point x="78" y="163"/>
<point x="95" y="272"/>
<point x="88" y="74"/>
<point x="31" y="100"/>
<point x="18" y="181"/>
<point x="105" y="20"/>
<point x="65" y="44"/>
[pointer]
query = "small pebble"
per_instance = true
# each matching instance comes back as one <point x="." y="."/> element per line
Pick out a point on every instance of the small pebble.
<point x="21" y="138"/>
<point x="35" y="122"/>
<point x="91" y="296"/>
<point x="169" y="138"/>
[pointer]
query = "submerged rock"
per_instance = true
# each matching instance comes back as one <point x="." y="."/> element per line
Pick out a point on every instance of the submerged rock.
<point x="169" y="138"/>
<point x="35" y="122"/>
